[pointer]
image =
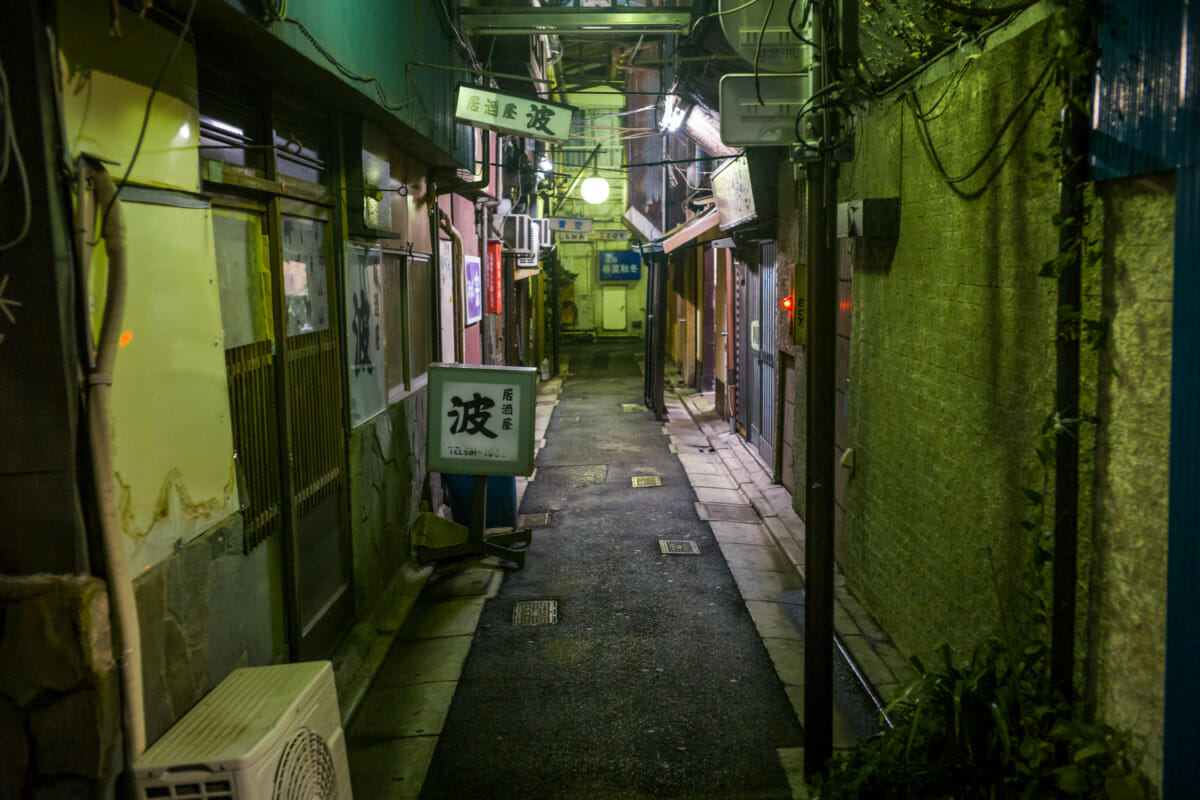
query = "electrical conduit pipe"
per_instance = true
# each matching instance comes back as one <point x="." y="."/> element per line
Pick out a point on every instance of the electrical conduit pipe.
<point x="120" y="588"/>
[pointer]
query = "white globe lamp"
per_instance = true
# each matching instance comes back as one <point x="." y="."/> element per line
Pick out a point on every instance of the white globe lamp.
<point x="594" y="190"/>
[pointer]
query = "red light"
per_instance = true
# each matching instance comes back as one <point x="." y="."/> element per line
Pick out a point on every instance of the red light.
<point x="788" y="303"/>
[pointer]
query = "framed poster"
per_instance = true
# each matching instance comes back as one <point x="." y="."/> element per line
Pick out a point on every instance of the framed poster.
<point x="474" y="278"/>
<point x="480" y="419"/>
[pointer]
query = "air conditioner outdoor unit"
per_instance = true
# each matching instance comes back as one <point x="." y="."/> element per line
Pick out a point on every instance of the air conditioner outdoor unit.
<point x="265" y="733"/>
<point x="518" y="233"/>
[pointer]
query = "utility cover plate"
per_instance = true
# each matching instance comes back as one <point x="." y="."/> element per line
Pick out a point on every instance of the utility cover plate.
<point x="628" y="407"/>
<point x="678" y="547"/>
<point x="540" y="520"/>
<point x="644" y="481"/>
<point x="536" y="612"/>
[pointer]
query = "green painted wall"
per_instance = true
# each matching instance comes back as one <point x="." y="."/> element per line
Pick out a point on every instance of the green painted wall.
<point x="951" y="360"/>
<point x="385" y="40"/>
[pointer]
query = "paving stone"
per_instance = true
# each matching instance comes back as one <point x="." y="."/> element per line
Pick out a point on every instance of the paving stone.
<point x="792" y="761"/>
<point x="424" y="661"/>
<point x="726" y="496"/>
<point x="760" y="584"/>
<point x="391" y="768"/>
<point x="456" y="617"/>
<point x="748" y="556"/>
<point x="418" y="710"/>
<point x="741" y="533"/>
<point x="710" y="480"/>
<point x="771" y="620"/>
<point x="788" y="657"/>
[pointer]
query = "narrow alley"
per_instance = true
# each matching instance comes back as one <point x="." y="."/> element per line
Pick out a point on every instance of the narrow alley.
<point x="671" y="664"/>
<point x="603" y="399"/>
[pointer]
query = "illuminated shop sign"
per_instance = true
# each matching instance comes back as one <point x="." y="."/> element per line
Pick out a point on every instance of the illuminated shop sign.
<point x="481" y="419"/>
<point x="529" y="117"/>
<point x="620" y="265"/>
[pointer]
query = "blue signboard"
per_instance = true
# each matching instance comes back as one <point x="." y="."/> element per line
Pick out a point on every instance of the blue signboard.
<point x="620" y="265"/>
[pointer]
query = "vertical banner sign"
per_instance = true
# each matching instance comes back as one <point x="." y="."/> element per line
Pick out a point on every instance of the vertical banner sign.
<point x="481" y="419"/>
<point x="364" y="344"/>
<point x="495" y="279"/>
<point x="474" y="289"/>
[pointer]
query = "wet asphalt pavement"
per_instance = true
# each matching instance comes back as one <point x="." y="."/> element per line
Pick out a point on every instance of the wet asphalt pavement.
<point x="654" y="681"/>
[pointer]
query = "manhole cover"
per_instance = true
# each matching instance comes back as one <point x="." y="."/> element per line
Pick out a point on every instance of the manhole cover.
<point x="536" y="612"/>
<point x="678" y="547"/>
<point x="632" y="407"/>
<point x="541" y="520"/>
<point x="642" y="481"/>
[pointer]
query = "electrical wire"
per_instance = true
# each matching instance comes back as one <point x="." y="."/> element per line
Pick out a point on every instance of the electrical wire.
<point x="758" y="49"/>
<point x="803" y="21"/>
<point x="12" y="148"/>
<point x="1038" y="88"/>
<point x="696" y="24"/>
<point x="137" y="148"/>
<point x="1003" y="11"/>
<point x="346" y="71"/>
<point x="929" y="115"/>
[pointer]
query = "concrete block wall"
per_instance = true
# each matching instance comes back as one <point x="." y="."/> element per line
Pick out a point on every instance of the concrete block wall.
<point x="951" y="360"/>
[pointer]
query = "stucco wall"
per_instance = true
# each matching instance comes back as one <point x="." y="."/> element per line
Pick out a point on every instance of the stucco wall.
<point x="1129" y="568"/>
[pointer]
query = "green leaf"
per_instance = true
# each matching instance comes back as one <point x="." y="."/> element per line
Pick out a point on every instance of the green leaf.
<point x="1125" y="787"/>
<point x="1093" y="749"/>
<point x="1034" y="497"/>
<point x="1072" y="780"/>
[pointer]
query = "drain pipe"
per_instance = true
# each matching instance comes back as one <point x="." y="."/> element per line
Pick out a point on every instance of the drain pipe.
<point x="120" y="588"/>
<point x="1076" y="90"/>
<point x="458" y="267"/>
<point x="820" y="372"/>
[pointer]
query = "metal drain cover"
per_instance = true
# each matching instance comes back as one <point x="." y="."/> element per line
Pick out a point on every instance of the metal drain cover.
<point x="632" y="407"/>
<point x="536" y="612"/>
<point x="678" y="547"/>
<point x="540" y="520"/>
<point x="642" y="481"/>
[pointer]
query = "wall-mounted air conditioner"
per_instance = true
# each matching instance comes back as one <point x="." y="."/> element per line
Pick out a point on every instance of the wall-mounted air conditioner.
<point x="518" y="233"/>
<point x="265" y="733"/>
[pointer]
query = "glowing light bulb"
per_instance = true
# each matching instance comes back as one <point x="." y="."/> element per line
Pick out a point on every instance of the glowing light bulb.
<point x="594" y="190"/>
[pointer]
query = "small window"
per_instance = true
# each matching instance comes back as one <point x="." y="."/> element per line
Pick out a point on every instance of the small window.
<point x="420" y="316"/>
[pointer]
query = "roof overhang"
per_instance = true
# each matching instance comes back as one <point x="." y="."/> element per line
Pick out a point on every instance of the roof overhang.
<point x="689" y="231"/>
<point x="576" y="22"/>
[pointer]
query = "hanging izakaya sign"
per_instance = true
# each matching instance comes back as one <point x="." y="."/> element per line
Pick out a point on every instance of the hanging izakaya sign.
<point x="481" y="419"/>
<point x="530" y="117"/>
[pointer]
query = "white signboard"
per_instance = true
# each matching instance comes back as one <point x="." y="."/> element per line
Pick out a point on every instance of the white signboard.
<point x="735" y="195"/>
<point x="481" y="419"/>
<point x="571" y="236"/>
<point x="616" y="235"/>
<point x="746" y="122"/>
<point x="575" y="224"/>
<point x="531" y="117"/>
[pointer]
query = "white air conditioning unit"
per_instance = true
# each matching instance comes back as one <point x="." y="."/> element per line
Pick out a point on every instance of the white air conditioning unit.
<point x="518" y="233"/>
<point x="265" y="733"/>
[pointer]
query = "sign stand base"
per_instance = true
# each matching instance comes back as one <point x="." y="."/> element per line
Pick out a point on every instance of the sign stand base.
<point x="480" y="543"/>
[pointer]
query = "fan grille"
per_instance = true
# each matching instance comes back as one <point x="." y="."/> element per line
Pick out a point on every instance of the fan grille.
<point x="306" y="770"/>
